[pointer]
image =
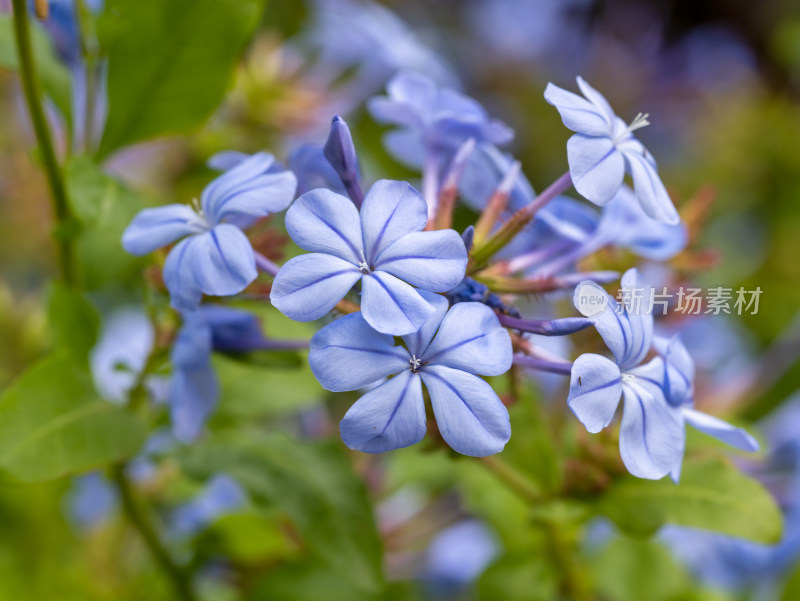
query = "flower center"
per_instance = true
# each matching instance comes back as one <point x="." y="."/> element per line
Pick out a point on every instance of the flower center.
<point x="415" y="364"/>
<point x="201" y="220"/>
<point x="363" y="265"/>
<point x="638" y="122"/>
<point x="628" y="377"/>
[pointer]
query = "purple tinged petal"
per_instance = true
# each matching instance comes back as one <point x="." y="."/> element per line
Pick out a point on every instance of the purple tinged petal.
<point x="391" y="416"/>
<point x="348" y="354"/>
<point x="651" y="438"/>
<point x="613" y="326"/>
<point x="597" y="168"/>
<point x="546" y="327"/>
<point x="218" y="192"/>
<point x="325" y="222"/>
<point x="578" y="114"/>
<point x="313" y="170"/>
<point x="652" y="194"/>
<point x="227" y="159"/>
<point x="721" y="430"/>
<point x="157" y="227"/>
<point x="185" y="294"/>
<point x="307" y="287"/>
<point x="470" y="338"/>
<point x="434" y="261"/>
<point x="638" y="310"/>
<point x="391" y="306"/>
<point x="390" y="211"/>
<point x="594" y="391"/>
<point x="677" y="371"/>
<point x="341" y="154"/>
<point x="470" y="416"/>
<point x="232" y="330"/>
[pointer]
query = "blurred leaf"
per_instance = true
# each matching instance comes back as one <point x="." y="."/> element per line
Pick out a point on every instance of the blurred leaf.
<point x="251" y="390"/>
<point x="712" y="494"/>
<point x="73" y="321"/>
<point x="791" y="591"/>
<point x="105" y="208"/>
<point x="514" y="577"/>
<point x="53" y="424"/>
<point x="250" y="538"/>
<point x="308" y="581"/>
<point x="170" y="63"/>
<point x="636" y="570"/>
<point x="54" y="75"/>
<point x="315" y="486"/>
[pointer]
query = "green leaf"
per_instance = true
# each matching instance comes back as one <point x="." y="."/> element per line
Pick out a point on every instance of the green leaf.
<point x="712" y="494"/>
<point x="54" y="75"/>
<point x="169" y="63"/>
<point x="314" y="486"/>
<point x="73" y="321"/>
<point x="637" y="570"/>
<point x="520" y="576"/>
<point x="105" y="208"/>
<point x="52" y="424"/>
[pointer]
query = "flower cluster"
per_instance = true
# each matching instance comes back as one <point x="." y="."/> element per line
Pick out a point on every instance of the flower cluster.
<point x="430" y="312"/>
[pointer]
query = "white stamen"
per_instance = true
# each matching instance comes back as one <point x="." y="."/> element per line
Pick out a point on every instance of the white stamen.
<point x="364" y="266"/>
<point x="628" y="377"/>
<point x="415" y="364"/>
<point x="196" y="206"/>
<point x="638" y="122"/>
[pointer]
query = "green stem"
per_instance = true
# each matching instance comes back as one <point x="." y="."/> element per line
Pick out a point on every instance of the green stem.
<point x="138" y="518"/>
<point x="33" y="99"/>
<point x="513" y="479"/>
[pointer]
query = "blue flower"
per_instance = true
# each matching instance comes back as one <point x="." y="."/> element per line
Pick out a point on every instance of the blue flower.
<point x="651" y="437"/>
<point x="91" y="500"/>
<point x="194" y="390"/>
<point x="458" y="555"/>
<point x="604" y="148"/>
<point x="341" y="155"/>
<point x="448" y="354"/>
<point x="313" y="170"/>
<point x="221" y="496"/>
<point x="674" y="372"/>
<point x="215" y="257"/>
<point x="382" y="247"/>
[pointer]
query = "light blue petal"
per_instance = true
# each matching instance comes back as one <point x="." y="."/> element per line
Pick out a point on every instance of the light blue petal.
<point x="469" y="414"/>
<point x="184" y="292"/>
<point x="612" y="324"/>
<point x="637" y="297"/>
<point x="219" y="190"/>
<point x="595" y="388"/>
<point x="678" y="370"/>
<point x="390" y="211"/>
<point x="597" y="99"/>
<point x="391" y="416"/>
<point x="418" y="341"/>
<point x="325" y="222"/>
<point x="721" y="430"/>
<point x="348" y="354"/>
<point x="157" y="227"/>
<point x="596" y="166"/>
<point x="651" y="437"/>
<point x="309" y="286"/>
<point x="471" y="338"/>
<point x="392" y="306"/>
<point x="258" y="197"/>
<point x="649" y="189"/>
<point x="221" y="261"/>
<point x="434" y="261"/>
<point x="578" y="114"/>
<point x="193" y="397"/>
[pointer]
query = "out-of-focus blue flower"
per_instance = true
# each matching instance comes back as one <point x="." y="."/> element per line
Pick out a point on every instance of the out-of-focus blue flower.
<point x="215" y="257"/>
<point x="651" y="436"/>
<point x="458" y="555"/>
<point x="604" y="147"/>
<point x="62" y="27"/>
<point x="120" y="354"/>
<point x="313" y="170"/>
<point x="90" y="500"/>
<point x="448" y="354"/>
<point x="221" y="496"/>
<point x="432" y="120"/>
<point x="195" y="390"/>
<point x="433" y="124"/>
<point x="485" y="170"/>
<point x="382" y="247"/>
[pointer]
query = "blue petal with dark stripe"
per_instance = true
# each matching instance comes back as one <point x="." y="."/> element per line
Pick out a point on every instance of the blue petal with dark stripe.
<point x="594" y="391"/>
